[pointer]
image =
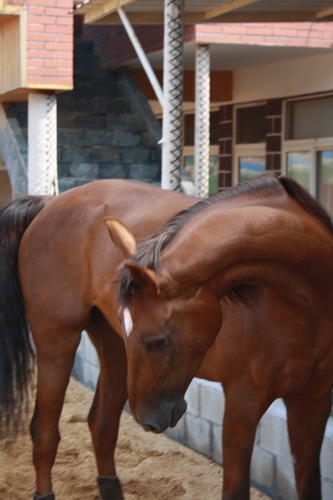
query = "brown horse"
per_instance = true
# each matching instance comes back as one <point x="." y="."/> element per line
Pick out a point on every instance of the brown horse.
<point x="258" y="256"/>
<point x="242" y="287"/>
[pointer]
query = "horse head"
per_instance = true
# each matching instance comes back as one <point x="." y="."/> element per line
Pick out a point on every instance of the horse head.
<point x="171" y="288"/>
<point x="168" y="327"/>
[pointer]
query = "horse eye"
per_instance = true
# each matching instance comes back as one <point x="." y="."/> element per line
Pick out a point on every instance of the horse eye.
<point x="155" y="345"/>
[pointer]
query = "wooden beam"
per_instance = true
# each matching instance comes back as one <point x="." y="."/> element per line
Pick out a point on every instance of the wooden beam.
<point x="9" y="10"/>
<point x="11" y="55"/>
<point x="228" y="7"/>
<point x="198" y="18"/>
<point x="321" y="14"/>
<point x="103" y="9"/>
<point x="264" y="17"/>
<point x="220" y="88"/>
<point x="134" y="17"/>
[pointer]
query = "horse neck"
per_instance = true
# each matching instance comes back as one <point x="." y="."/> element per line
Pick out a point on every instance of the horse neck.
<point x="247" y="245"/>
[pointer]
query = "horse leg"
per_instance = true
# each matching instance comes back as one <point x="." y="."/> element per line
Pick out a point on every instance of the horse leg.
<point x="54" y="364"/>
<point x="108" y="403"/>
<point x="243" y="411"/>
<point x="307" y="420"/>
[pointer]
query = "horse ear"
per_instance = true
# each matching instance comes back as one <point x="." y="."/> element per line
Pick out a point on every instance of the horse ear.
<point x="121" y="237"/>
<point x="144" y="277"/>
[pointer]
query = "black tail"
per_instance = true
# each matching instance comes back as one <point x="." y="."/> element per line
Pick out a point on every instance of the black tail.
<point x="16" y="356"/>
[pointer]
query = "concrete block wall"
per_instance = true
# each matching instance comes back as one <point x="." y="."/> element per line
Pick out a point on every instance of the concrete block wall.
<point x="201" y="430"/>
<point x="106" y="129"/>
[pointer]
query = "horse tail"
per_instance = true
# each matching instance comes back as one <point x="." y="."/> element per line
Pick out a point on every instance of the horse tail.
<point x="299" y="194"/>
<point x="16" y="354"/>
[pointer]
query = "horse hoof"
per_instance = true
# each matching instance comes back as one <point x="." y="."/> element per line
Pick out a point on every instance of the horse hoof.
<point x="109" y="488"/>
<point x="49" y="496"/>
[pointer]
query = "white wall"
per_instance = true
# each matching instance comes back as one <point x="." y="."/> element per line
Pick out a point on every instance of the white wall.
<point x="304" y="75"/>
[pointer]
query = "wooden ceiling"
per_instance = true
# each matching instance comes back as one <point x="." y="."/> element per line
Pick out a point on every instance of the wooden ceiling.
<point x="202" y="11"/>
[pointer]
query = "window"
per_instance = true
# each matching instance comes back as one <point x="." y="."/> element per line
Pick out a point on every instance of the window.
<point x="189" y="129"/>
<point x="250" y="167"/>
<point x="299" y="167"/>
<point x="325" y="179"/>
<point x="310" y="119"/>
<point x="251" y="124"/>
<point x="187" y="181"/>
<point x="250" y="142"/>
<point x="308" y="147"/>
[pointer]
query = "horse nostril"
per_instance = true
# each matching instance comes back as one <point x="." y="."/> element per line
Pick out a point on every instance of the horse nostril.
<point x="149" y="428"/>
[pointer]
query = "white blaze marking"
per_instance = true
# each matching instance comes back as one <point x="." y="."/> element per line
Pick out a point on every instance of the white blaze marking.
<point x="128" y="322"/>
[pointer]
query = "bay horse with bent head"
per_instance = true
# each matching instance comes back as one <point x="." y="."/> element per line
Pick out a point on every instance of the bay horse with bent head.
<point x="236" y="288"/>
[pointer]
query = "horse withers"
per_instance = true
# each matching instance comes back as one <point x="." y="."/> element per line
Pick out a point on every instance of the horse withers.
<point x="237" y="289"/>
<point x="237" y="286"/>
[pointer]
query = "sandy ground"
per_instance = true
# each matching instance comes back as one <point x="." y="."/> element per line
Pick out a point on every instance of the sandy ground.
<point x="150" y="467"/>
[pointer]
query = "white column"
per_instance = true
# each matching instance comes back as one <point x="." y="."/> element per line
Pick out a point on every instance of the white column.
<point x="202" y="115"/>
<point x="42" y="144"/>
<point x="172" y="135"/>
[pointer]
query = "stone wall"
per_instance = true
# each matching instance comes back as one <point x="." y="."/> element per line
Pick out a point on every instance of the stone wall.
<point x="106" y="128"/>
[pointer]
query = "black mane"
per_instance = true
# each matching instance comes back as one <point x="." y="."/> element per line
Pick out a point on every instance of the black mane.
<point x="148" y="253"/>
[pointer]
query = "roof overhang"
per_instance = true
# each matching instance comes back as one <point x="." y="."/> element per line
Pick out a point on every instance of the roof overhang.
<point x="200" y="11"/>
<point x="234" y="56"/>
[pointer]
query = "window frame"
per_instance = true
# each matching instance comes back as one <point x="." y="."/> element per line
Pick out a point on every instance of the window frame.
<point x="314" y="146"/>
<point x="255" y="149"/>
<point x="244" y="149"/>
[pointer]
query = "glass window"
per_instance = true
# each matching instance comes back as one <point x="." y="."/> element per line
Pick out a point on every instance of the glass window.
<point x="299" y="167"/>
<point x="310" y="119"/>
<point x="251" y="125"/>
<point x="325" y="179"/>
<point x="250" y="167"/>
<point x="187" y="181"/>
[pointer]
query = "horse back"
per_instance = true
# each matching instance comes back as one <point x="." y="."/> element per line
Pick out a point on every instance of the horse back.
<point x="66" y="252"/>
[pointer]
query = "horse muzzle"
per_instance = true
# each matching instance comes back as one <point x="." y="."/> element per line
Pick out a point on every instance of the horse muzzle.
<point x="163" y="414"/>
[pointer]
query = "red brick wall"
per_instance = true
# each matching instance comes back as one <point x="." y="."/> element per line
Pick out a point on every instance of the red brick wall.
<point x="114" y="47"/>
<point x="290" y="34"/>
<point x="49" y="43"/>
